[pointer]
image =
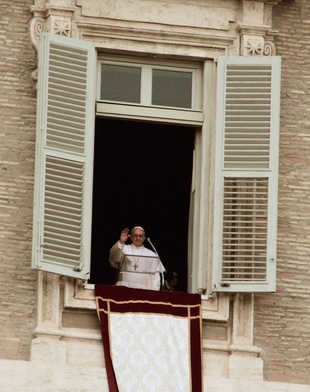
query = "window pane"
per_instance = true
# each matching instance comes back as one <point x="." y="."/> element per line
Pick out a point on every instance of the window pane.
<point x="120" y="83"/>
<point x="172" y="88"/>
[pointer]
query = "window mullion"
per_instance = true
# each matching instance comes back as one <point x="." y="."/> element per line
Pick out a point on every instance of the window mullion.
<point x="146" y="85"/>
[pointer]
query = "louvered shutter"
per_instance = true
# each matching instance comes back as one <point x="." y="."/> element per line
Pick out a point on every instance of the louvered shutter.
<point x="64" y="156"/>
<point x="246" y="184"/>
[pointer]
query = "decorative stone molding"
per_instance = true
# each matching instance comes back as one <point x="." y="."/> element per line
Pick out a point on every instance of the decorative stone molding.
<point x="273" y="2"/>
<point x="78" y="295"/>
<point x="252" y="46"/>
<point x="37" y="26"/>
<point x="269" y="45"/>
<point x="62" y="26"/>
<point x="55" y="19"/>
<point x="48" y="316"/>
<point x="121" y="37"/>
<point x="254" y="28"/>
<point x="59" y="19"/>
<point x="256" y="41"/>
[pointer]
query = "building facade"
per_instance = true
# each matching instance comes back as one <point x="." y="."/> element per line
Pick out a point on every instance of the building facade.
<point x="255" y="323"/>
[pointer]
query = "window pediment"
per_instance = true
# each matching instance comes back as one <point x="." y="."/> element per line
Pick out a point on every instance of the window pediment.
<point x="168" y="13"/>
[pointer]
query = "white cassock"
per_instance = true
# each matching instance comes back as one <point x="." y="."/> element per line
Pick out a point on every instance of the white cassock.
<point x="139" y="267"/>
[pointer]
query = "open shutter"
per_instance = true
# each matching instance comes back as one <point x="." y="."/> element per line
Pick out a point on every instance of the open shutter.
<point x="246" y="174"/>
<point x="64" y="156"/>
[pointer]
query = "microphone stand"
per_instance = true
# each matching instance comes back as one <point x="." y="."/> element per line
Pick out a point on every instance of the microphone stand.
<point x="162" y="274"/>
<point x="149" y="240"/>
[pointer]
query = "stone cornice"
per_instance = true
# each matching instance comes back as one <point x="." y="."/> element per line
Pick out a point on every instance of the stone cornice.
<point x="273" y="2"/>
<point x="268" y="2"/>
<point x="148" y="35"/>
<point x="251" y="29"/>
<point x="118" y="36"/>
<point x="51" y="9"/>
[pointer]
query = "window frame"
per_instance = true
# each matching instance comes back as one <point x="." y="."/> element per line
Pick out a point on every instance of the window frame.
<point x="144" y="110"/>
<point x="201" y="259"/>
<point x="146" y="67"/>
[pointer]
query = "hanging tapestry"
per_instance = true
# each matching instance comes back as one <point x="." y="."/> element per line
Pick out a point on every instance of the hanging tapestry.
<point x="151" y="339"/>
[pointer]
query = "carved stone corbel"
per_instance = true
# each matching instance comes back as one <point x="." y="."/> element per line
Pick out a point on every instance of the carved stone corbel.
<point x="37" y="26"/>
<point x="59" y="19"/>
<point x="269" y="45"/>
<point x="51" y="18"/>
<point x="256" y="41"/>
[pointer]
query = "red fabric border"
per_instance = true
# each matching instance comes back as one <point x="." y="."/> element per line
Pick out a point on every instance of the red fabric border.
<point x="122" y="299"/>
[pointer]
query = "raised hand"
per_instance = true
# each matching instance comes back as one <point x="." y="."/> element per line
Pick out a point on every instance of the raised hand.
<point x="124" y="236"/>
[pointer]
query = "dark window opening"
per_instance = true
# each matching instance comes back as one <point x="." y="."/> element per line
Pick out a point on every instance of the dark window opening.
<point x="142" y="176"/>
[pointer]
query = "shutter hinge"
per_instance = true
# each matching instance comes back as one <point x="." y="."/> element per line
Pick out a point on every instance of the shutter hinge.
<point x="77" y="268"/>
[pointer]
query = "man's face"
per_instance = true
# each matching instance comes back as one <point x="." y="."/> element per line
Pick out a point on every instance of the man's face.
<point x="137" y="237"/>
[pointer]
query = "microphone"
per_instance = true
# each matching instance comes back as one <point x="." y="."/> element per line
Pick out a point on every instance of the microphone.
<point x="149" y="240"/>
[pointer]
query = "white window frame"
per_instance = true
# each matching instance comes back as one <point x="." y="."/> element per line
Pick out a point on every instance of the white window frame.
<point x="144" y="110"/>
<point x="146" y="79"/>
<point x="203" y="194"/>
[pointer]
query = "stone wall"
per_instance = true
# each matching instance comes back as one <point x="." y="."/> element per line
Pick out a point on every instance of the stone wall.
<point x="282" y="320"/>
<point x="17" y="145"/>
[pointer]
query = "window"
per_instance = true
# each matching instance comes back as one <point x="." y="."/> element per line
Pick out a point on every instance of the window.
<point x="147" y="177"/>
<point x="245" y="159"/>
<point x="149" y="85"/>
<point x="177" y="86"/>
<point x="130" y="89"/>
<point x="141" y="176"/>
<point x="120" y="83"/>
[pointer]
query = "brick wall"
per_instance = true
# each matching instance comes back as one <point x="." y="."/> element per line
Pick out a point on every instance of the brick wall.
<point x="282" y="320"/>
<point x="17" y="138"/>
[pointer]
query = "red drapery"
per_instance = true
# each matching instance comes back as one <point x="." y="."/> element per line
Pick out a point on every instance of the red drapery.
<point x="151" y="339"/>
